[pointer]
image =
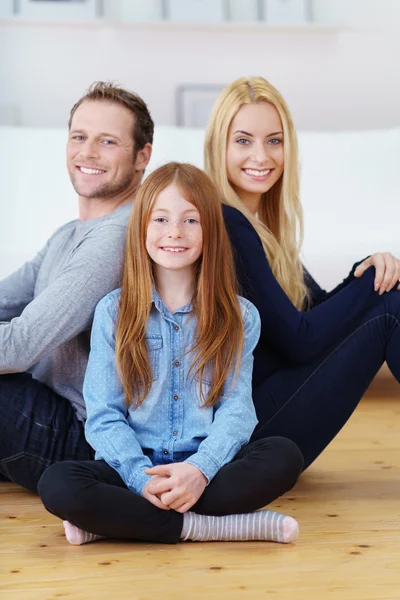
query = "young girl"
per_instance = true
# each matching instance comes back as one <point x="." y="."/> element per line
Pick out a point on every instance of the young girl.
<point x="318" y="351"/>
<point x="168" y="389"/>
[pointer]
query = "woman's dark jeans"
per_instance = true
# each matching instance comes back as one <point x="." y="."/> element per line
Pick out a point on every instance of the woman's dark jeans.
<point x="310" y="403"/>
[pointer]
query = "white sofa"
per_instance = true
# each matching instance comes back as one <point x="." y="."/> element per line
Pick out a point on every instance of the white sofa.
<point x="350" y="189"/>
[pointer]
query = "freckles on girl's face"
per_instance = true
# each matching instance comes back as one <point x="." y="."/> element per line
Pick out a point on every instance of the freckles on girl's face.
<point x="174" y="233"/>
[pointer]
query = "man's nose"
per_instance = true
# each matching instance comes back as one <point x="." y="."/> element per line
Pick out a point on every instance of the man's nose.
<point x="89" y="149"/>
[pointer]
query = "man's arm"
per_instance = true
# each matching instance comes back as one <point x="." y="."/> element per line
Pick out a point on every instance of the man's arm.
<point x="66" y="307"/>
<point x="17" y="290"/>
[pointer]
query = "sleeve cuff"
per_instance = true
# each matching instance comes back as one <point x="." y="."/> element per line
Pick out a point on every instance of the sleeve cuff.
<point x="138" y="482"/>
<point x="207" y="465"/>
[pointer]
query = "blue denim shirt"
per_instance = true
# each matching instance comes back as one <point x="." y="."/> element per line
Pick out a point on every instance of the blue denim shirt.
<point x="170" y="425"/>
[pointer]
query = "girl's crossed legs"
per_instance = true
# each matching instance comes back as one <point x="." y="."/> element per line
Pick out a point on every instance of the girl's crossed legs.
<point x="92" y="496"/>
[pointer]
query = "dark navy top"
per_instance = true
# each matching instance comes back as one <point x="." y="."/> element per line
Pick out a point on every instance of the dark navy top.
<point x="290" y="336"/>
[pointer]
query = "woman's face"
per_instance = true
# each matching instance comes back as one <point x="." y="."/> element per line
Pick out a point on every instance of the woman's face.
<point x="254" y="152"/>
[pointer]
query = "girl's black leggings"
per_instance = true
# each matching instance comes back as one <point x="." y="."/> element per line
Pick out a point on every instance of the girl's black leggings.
<point x="92" y="496"/>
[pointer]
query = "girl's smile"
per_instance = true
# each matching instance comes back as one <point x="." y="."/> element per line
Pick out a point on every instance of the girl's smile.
<point x="174" y="234"/>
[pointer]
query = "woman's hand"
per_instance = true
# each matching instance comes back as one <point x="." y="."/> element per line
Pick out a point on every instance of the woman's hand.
<point x="387" y="271"/>
<point x="178" y="486"/>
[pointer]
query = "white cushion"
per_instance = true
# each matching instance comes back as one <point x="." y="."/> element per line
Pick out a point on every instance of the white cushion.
<point x="350" y="188"/>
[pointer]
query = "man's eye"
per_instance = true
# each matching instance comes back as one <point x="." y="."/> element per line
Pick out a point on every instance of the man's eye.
<point x="108" y="142"/>
<point x="78" y="138"/>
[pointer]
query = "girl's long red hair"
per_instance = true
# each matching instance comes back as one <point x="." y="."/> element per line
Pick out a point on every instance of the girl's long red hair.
<point x="219" y="337"/>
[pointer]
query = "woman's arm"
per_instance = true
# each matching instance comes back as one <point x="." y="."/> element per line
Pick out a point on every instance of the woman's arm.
<point x="107" y="429"/>
<point x="318" y="294"/>
<point x="301" y="336"/>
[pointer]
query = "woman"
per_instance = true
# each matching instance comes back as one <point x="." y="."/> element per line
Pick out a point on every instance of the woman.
<point x="318" y="351"/>
<point x="168" y="389"/>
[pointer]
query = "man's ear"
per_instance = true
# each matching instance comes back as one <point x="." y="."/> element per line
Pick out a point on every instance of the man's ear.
<point x="143" y="157"/>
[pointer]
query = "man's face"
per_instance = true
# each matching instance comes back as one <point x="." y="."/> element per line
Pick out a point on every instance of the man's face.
<point x="101" y="157"/>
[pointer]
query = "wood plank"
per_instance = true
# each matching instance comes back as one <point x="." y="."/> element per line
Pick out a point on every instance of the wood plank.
<point x="347" y="504"/>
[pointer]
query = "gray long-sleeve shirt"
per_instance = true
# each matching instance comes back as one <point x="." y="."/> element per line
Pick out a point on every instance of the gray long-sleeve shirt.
<point x="47" y="306"/>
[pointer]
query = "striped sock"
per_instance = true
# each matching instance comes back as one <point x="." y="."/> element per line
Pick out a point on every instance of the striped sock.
<point x="266" y="525"/>
<point x="77" y="536"/>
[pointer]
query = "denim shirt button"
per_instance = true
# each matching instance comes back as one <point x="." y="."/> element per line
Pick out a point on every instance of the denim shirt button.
<point x="176" y="397"/>
<point x="175" y="432"/>
<point x="165" y="451"/>
<point x="177" y="363"/>
<point x="176" y="327"/>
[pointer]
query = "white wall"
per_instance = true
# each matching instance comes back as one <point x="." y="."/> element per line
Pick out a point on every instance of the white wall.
<point x="332" y="80"/>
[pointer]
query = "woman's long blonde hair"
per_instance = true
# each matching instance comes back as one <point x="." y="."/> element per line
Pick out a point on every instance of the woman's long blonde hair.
<point x="280" y="216"/>
<point x="218" y="343"/>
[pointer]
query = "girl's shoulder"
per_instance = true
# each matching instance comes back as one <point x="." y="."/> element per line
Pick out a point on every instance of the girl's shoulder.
<point x="109" y="304"/>
<point x="249" y="311"/>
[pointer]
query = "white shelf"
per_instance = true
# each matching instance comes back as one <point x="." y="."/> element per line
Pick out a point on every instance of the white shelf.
<point x="227" y="27"/>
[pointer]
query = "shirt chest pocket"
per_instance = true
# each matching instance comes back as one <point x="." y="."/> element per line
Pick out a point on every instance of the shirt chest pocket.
<point x="154" y="349"/>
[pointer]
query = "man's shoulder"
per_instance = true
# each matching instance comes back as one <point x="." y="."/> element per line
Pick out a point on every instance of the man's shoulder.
<point x="117" y="218"/>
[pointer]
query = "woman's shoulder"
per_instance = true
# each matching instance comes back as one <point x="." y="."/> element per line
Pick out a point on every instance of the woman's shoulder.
<point x="234" y="215"/>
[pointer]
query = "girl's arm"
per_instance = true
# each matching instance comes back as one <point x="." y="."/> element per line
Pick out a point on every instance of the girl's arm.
<point x="107" y="429"/>
<point x="234" y="414"/>
<point x="301" y="336"/>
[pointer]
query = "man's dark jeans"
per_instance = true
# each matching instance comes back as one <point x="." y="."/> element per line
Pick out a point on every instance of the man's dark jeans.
<point x="37" y="427"/>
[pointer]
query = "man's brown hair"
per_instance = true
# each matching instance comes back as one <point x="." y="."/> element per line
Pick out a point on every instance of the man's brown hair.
<point x="143" y="127"/>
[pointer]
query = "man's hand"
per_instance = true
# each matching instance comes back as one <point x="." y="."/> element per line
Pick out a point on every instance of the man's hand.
<point x="387" y="271"/>
<point x="146" y="493"/>
<point x="178" y="485"/>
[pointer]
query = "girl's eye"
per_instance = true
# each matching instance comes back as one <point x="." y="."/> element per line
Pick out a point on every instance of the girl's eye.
<point x="160" y="220"/>
<point x="274" y="141"/>
<point x="191" y="221"/>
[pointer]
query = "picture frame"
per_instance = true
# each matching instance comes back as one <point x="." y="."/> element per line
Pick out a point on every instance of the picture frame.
<point x="54" y="10"/>
<point x="128" y="11"/>
<point x="7" y="9"/>
<point x="244" y="11"/>
<point x="196" y="11"/>
<point x="287" y="12"/>
<point x="194" y="103"/>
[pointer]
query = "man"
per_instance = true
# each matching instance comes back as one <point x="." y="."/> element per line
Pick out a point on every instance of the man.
<point x="46" y="307"/>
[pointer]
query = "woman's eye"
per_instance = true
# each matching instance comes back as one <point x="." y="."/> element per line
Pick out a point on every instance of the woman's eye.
<point x="191" y="221"/>
<point x="160" y="220"/>
<point x="274" y="141"/>
<point x="242" y="141"/>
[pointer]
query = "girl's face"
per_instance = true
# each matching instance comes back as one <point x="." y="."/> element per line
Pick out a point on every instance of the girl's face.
<point x="174" y="234"/>
<point x="254" y="152"/>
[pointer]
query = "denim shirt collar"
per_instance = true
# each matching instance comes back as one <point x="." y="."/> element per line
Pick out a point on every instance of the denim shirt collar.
<point x="163" y="309"/>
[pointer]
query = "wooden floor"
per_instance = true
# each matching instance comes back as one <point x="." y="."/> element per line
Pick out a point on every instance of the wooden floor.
<point x="347" y="504"/>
